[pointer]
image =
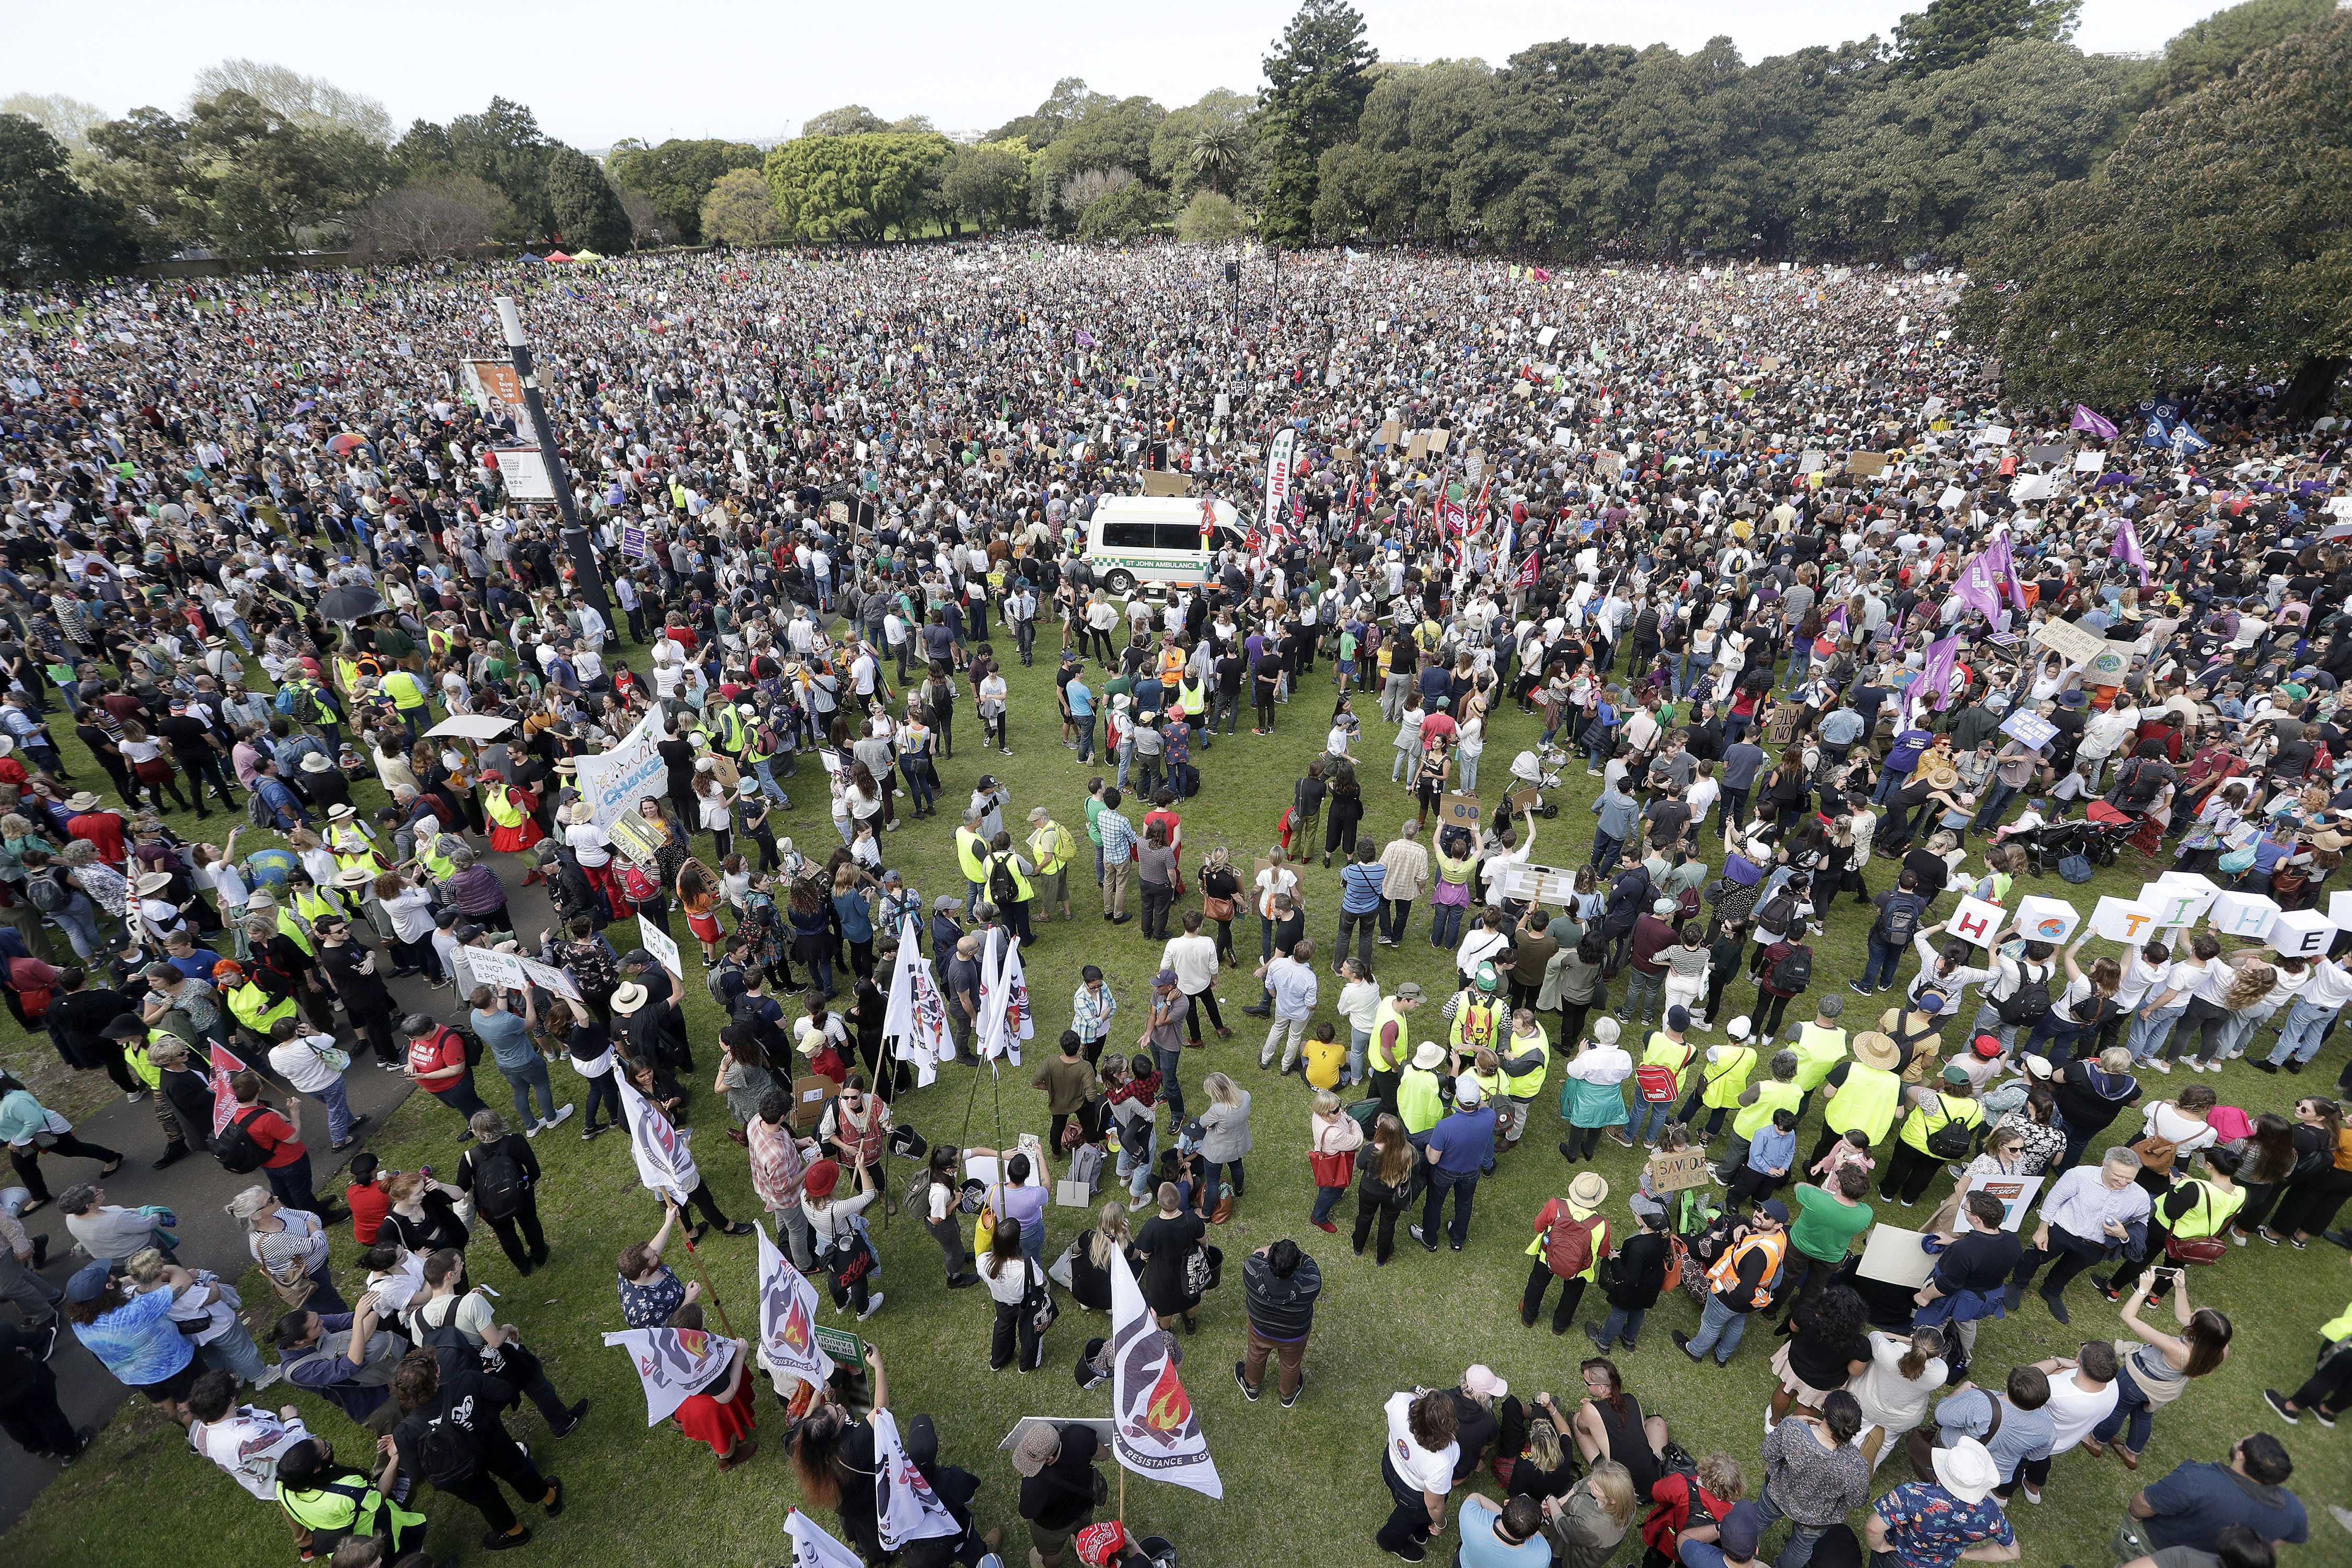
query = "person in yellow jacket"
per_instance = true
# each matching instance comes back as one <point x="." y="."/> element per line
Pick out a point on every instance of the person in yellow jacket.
<point x="1419" y="1104"/>
<point x="2328" y="1390"/>
<point x="409" y="699"/>
<point x="1866" y="1094"/>
<point x="1664" y="1059"/>
<point x="251" y="1006"/>
<point x="971" y="856"/>
<point x="1951" y="1102"/>
<point x="332" y="1502"/>
<point x="1524" y="1061"/>
<point x="1572" y="1240"/>
<point x="1819" y="1046"/>
<point x="1003" y="860"/>
<point x="1051" y="848"/>
<point x="2196" y="1209"/>
<point x="1756" y="1106"/>
<point x="1743" y="1279"/>
<point x="1721" y="1078"/>
<point x="1475" y="1016"/>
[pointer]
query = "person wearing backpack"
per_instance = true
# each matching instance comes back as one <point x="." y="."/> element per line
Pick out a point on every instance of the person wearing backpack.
<point x="1786" y="971"/>
<point x="451" y="1434"/>
<point x="1572" y="1241"/>
<point x="1901" y="914"/>
<point x="1938" y="1128"/>
<point x="502" y="1174"/>
<point x="441" y="1063"/>
<point x="257" y="1139"/>
<point x="2018" y="995"/>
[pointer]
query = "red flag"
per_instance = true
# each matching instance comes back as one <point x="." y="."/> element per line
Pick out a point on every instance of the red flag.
<point x="1530" y="569"/>
<point x="224" y="1063"/>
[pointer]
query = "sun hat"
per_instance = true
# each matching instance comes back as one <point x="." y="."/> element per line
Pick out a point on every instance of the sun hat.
<point x="1966" y="1471"/>
<point x="821" y="1178"/>
<point x="1873" y="1049"/>
<point x="1588" y="1191"/>
<point x="81" y="800"/>
<point x="1410" y="991"/>
<point x="629" y="998"/>
<point x="153" y="882"/>
<point x="1427" y="1055"/>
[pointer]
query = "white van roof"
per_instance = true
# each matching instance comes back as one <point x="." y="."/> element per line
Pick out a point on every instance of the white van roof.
<point x="1161" y="509"/>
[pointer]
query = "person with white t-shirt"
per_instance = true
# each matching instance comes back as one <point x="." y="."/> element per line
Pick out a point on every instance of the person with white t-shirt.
<point x="1418" y="1466"/>
<point x="244" y="1441"/>
<point x="2081" y="1395"/>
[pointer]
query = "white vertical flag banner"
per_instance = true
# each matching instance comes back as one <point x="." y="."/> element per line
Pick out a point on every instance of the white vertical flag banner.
<point x="1155" y="1431"/>
<point x="917" y="1020"/>
<point x="665" y="1165"/>
<point x="905" y="1509"/>
<point x="673" y="1365"/>
<point x="787" y="1317"/>
<point x="662" y="945"/>
<point x="1006" y="1019"/>
<point x="813" y="1547"/>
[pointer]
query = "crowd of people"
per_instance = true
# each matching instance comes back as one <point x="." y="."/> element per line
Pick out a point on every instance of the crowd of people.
<point x="1763" y="545"/>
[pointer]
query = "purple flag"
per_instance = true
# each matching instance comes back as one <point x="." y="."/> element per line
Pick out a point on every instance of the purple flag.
<point x="2086" y="420"/>
<point x="1935" y="679"/>
<point x="2127" y="549"/>
<point x="1979" y="589"/>
<point x="1998" y="560"/>
<point x="1087" y="340"/>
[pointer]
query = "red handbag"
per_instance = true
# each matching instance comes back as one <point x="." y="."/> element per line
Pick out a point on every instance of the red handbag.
<point x="1333" y="1170"/>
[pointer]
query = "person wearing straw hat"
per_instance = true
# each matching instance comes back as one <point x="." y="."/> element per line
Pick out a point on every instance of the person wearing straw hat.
<point x="1573" y="1239"/>
<point x="1935" y="1524"/>
<point x="1864" y="1094"/>
<point x="326" y="786"/>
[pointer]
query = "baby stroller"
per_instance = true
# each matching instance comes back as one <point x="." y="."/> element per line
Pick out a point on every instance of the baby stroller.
<point x="2112" y="825"/>
<point x="1539" y="770"/>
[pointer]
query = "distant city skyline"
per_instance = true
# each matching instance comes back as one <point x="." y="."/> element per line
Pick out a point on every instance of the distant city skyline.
<point x="595" y="73"/>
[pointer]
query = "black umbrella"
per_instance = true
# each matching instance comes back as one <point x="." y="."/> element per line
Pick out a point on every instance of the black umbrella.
<point x="349" y="604"/>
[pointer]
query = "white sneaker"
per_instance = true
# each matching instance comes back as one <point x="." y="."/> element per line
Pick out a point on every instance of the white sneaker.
<point x="2159" y="1066"/>
<point x="562" y="1114"/>
<point x="874" y="1305"/>
<point x="269" y="1375"/>
<point x="534" y="1130"/>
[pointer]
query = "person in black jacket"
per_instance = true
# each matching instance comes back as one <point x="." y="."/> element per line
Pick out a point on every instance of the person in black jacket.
<point x="1280" y="1284"/>
<point x="509" y="1205"/>
<point x="184" y="1093"/>
<point x="466" y="1404"/>
<point x="1638" y="1274"/>
<point x="76" y="1020"/>
<point x="1058" y="1484"/>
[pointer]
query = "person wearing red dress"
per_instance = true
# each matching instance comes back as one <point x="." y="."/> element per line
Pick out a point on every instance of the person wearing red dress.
<point x="726" y="1415"/>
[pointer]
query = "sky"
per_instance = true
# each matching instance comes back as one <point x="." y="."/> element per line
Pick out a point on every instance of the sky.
<point x="599" y="71"/>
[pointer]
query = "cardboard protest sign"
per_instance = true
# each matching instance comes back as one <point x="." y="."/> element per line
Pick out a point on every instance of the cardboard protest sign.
<point x="1524" y="801"/>
<point x="2243" y="914"/>
<point x="2090" y="462"/>
<point x="1867" y="463"/>
<point x="2300" y="933"/>
<point x="1389" y="430"/>
<point x="659" y="942"/>
<point x="1976" y="922"/>
<point x="1157" y="482"/>
<point x="2123" y="919"/>
<point x="2047" y="919"/>
<point x="1678" y="1172"/>
<point x="1895" y="1256"/>
<point x="2339" y="911"/>
<point x="2070" y="641"/>
<point x="1459" y="810"/>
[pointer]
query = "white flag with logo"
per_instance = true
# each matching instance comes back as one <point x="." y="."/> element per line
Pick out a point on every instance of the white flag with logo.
<point x="905" y="1506"/>
<point x="665" y="1165"/>
<point x="813" y="1547"/>
<point x="674" y="1364"/>
<point x="917" y="1019"/>
<point x="1155" y="1431"/>
<point x="787" y="1317"/>
<point x="1006" y="1019"/>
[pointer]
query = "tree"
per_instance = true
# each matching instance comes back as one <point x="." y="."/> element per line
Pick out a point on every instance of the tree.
<point x="446" y="218"/>
<point x="587" y="209"/>
<point x="850" y="119"/>
<point x="1129" y="208"/>
<point x="853" y="187"/>
<point x="236" y="175"/>
<point x="1222" y="120"/>
<point x="1108" y="133"/>
<point x="1317" y="81"/>
<point x="66" y="118"/>
<point x="49" y="225"/>
<point x="677" y="175"/>
<point x="1209" y="218"/>
<point x="2207" y="50"/>
<point x="504" y="145"/>
<point x="2220" y="232"/>
<point x="740" y="210"/>
<point x="1036" y="130"/>
<point x="914" y="125"/>
<point x="1961" y="32"/>
<point x="986" y="186"/>
<point x="310" y="101"/>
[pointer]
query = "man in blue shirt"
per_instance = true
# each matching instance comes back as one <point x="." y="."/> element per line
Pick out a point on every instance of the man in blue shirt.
<point x="1079" y="700"/>
<point x="1620" y="816"/>
<point x="285" y="807"/>
<point x="2191" y="1506"/>
<point x="1901" y="758"/>
<point x="1458" y="1149"/>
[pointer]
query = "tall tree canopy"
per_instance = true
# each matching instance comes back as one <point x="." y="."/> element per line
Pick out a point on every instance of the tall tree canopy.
<point x="2219" y="231"/>
<point x="854" y="187"/>
<point x="49" y="224"/>
<point x="1951" y="32"/>
<point x="677" y="175"/>
<point x="1317" y="81"/>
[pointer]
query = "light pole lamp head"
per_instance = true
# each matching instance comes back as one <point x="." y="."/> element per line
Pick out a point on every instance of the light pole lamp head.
<point x="511" y="321"/>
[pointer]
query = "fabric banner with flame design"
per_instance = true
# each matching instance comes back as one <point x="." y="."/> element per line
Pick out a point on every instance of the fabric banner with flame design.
<point x="1157" y="1433"/>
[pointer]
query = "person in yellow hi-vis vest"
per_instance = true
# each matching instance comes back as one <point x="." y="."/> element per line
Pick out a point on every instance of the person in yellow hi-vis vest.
<point x="408" y="699"/>
<point x="1864" y="1094"/>
<point x="1757" y="1104"/>
<point x="1941" y="1126"/>
<point x="1526" y="1061"/>
<point x="252" y="1006"/>
<point x="1050" y="849"/>
<point x="1819" y="1046"/>
<point x="1721" y="1078"/>
<point x="2328" y="1389"/>
<point x="1572" y="1240"/>
<point x="2196" y="1209"/>
<point x="1419" y="1105"/>
<point x="1658" y="1077"/>
<point x="1743" y="1279"/>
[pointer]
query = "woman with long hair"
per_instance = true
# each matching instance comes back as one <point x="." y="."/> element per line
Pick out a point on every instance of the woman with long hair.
<point x="1341" y="812"/>
<point x="1383" y="1185"/>
<point x="852" y="908"/>
<point x="1609" y="1425"/>
<point x="1587" y="1525"/>
<point x="1012" y="1279"/>
<point x="2153" y="1372"/>
<point x="697" y="899"/>
<point x="1090" y="1257"/>
<point x="941" y="1203"/>
<point x="2270" y="1157"/>
<point x="813" y="934"/>
<point x="2321" y="1177"/>
<point x="1904" y="1374"/>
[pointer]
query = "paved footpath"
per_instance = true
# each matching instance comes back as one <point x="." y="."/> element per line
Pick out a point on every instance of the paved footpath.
<point x="197" y="1189"/>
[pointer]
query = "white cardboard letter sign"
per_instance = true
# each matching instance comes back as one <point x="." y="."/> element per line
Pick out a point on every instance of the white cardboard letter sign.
<point x="2243" y="914"/>
<point x="2046" y="920"/>
<point x="1976" y="922"/>
<point x="2123" y="919"/>
<point x="2178" y="903"/>
<point x="2300" y="933"/>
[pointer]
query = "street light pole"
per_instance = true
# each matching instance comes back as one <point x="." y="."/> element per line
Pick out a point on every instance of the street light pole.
<point x="591" y="582"/>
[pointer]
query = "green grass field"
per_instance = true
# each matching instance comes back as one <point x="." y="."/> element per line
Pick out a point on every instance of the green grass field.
<point x="1310" y="1473"/>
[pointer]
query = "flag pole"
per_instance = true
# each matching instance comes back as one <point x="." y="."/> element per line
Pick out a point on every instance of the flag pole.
<point x="686" y="1233"/>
